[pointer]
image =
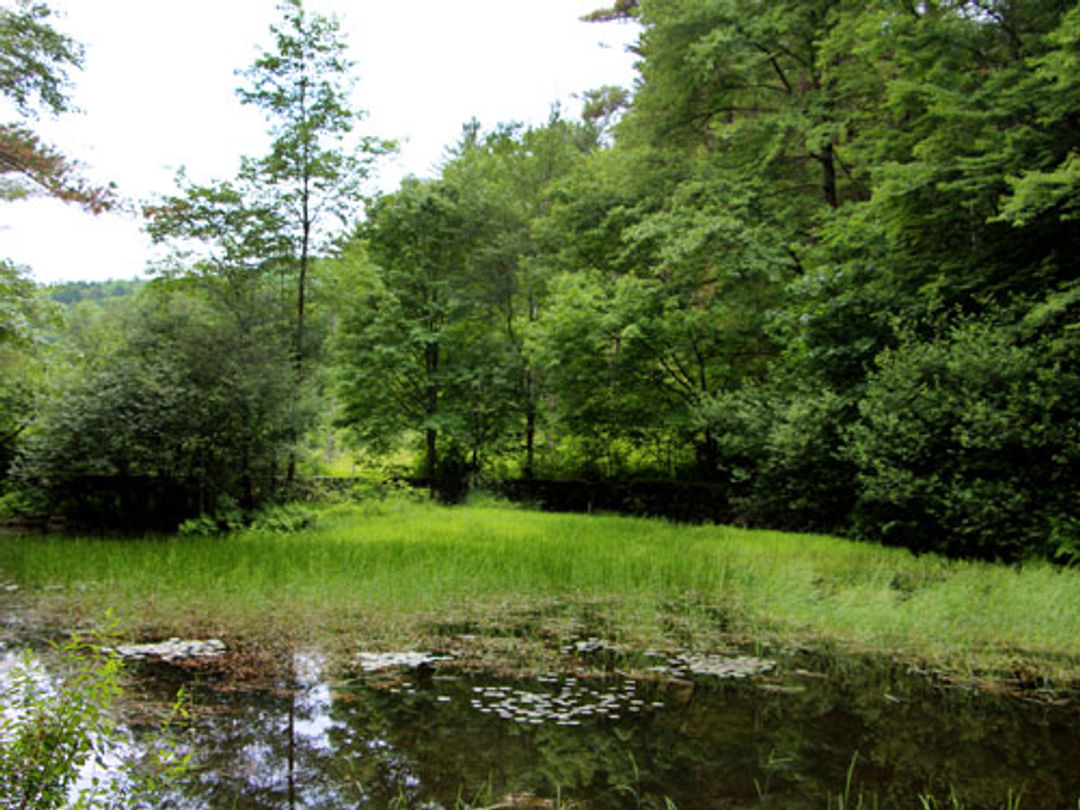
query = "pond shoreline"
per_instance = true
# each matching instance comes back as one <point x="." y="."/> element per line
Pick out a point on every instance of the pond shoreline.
<point x="505" y="589"/>
<point x="578" y="694"/>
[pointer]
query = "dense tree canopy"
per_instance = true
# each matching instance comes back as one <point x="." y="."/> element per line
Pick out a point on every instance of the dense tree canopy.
<point x="805" y="208"/>
<point x="187" y="406"/>
<point x="822" y="258"/>
<point x="24" y="316"/>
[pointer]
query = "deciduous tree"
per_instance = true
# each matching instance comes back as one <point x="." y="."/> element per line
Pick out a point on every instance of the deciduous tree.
<point x="407" y="339"/>
<point x="315" y="171"/>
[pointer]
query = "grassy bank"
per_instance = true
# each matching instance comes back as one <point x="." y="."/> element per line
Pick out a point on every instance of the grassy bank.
<point x="409" y="574"/>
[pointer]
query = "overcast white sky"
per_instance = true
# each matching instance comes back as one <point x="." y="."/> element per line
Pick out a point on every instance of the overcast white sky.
<point x="157" y="92"/>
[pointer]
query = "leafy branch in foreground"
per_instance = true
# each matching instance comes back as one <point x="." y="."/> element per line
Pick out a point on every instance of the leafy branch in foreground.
<point x="56" y="737"/>
<point x="34" y="60"/>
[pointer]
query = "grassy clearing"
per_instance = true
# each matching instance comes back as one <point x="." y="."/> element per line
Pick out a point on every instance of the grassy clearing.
<point x="405" y="573"/>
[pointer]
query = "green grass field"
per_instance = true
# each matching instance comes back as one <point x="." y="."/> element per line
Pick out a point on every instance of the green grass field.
<point x="403" y="574"/>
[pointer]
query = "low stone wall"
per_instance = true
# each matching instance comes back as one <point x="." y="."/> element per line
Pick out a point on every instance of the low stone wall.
<point x="684" y="501"/>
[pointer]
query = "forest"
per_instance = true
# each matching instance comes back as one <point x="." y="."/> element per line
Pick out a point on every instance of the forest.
<point x="818" y="266"/>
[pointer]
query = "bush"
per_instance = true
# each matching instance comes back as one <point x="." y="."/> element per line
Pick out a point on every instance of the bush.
<point x="282" y="518"/>
<point x="781" y="449"/>
<point x="228" y="517"/>
<point x="285" y="519"/>
<point x="15" y="505"/>
<point x="969" y="445"/>
<point x="191" y="405"/>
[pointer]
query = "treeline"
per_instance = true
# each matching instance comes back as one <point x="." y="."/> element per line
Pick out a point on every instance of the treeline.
<point x="822" y="262"/>
<point x="75" y="292"/>
<point x="827" y="259"/>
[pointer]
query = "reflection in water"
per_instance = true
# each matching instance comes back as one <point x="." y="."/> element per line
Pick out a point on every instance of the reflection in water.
<point x="423" y="740"/>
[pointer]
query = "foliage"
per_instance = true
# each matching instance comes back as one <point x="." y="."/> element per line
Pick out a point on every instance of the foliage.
<point x="506" y="178"/>
<point x="822" y="258"/>
<point x="312" y="172"/>
<point x="14" y="505"/>
<point x="403" y="344"/>
<point x="589" y="344"/>
<point x="75" y="292"/>
<point x="968" y="445"/>
<point x="807" y="182"/>
<point x="799" y="207"/>
<point x="24" y="315"/>
<point x="217" y="231"/>
<point x="34" y="60"/>
<point x="35" y="57"/>
<point x="229" y="517"/>
<point x="49" y="734"/>
<point x="241" y="238"/>
<point x="285" y="519"/>
<point x="781" y="449"/>
<point x="193" y="404"/>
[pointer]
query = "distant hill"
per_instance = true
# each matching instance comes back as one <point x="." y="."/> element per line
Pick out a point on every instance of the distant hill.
<point x="73" y="292"/>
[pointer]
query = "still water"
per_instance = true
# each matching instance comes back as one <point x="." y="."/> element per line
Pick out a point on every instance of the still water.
<point x="792" y="739"/>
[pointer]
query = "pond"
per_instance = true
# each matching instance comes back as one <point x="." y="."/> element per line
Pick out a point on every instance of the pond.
<point x="803" y="731"/>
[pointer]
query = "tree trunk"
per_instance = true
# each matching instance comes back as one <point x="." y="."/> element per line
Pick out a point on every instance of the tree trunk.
<point x="431" y="436"/>
<point x="828" y="184"/>
<point x="530" y="428"/>
<point x="708" y="453"/>
<point x="431" y="362"/>
<point x="247" y="484"/>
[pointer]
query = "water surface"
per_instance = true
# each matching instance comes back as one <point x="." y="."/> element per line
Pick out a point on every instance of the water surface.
<point x="431" y="739"/>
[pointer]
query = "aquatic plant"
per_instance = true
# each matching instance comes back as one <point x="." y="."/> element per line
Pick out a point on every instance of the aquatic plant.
<point x="929" y="802"/>
<point x="851" y="798"/>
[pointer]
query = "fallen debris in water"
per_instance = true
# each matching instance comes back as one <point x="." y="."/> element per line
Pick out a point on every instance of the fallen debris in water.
<point x="723" y="667"/>
<point x="377" y="662"/>
<point x="174" y="649"/>
<point x="717" y="666"/>
<point x="589" y="646"/>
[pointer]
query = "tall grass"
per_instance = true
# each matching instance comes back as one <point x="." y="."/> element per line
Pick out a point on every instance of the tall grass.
<point x="364" y="575"/>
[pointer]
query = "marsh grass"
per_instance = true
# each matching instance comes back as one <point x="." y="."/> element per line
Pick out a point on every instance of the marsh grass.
<point x="390" y="575"/>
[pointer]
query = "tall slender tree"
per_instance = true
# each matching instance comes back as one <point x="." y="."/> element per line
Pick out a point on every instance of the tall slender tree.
<point x="317" y="163"/>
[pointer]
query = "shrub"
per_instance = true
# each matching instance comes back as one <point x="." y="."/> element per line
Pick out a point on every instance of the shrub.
<point x="781" y="449"/>
<point x="968" y="445"/>
<point x="228" y="517"/>
<point x="15" y="505"/>
<point x="285" y="519"/>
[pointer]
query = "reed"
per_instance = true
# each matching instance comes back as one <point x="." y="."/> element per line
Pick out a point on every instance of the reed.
<point x="392" y="574"/>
